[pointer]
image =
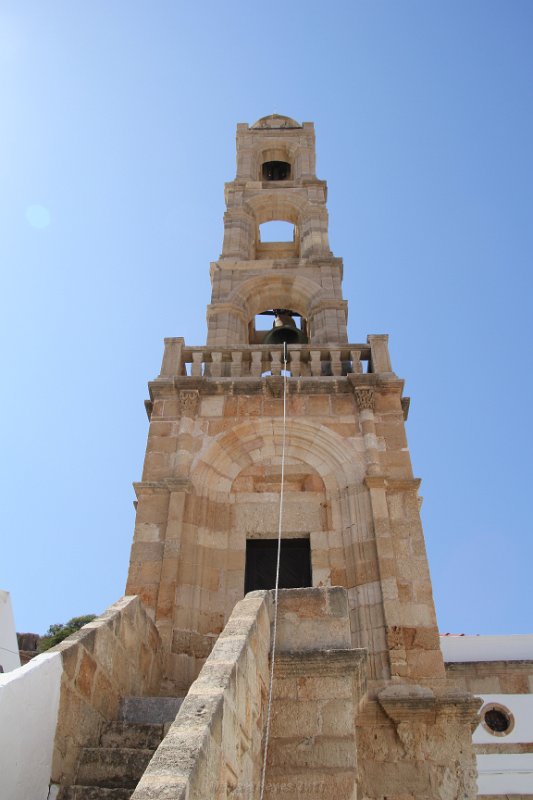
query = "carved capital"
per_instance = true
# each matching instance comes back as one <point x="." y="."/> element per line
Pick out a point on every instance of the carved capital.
<point x="188" y="400"/>
<point x="274" y="384"/>
<point x="364" y="397"/>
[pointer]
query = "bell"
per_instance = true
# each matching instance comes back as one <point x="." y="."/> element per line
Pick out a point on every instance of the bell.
<point x="284" y="329"/>
<point x="283" y="319"/>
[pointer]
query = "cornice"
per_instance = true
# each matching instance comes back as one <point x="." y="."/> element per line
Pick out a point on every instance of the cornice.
<point x="321" y="663"/>
<point x="392" y="484"/>
<point x="220" y="308"/>
<point x="164" y="486"/>
<point x="409" y="702"/>
<point x="164" y="387"/>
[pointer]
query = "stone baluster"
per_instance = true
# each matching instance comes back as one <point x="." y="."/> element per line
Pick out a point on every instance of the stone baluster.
<point x="316" y="363"/>
<point x="216" y="364"/>
<point x="236" y="363"/>
<point x="305" y="370"/>
<point x="197" y="359"/>
<point x="356" y="361"/>
<point x="275" y="362"/>
<point x="256" y="366"/>
<point x="295" y="363"/>
<point x="336" y="366"/>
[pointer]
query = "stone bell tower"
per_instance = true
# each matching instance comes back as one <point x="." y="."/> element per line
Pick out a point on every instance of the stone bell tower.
<point x="208" y="501"/>
<point x="211" y="476"/>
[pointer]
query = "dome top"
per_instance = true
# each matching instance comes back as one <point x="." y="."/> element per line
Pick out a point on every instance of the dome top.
<point x="276" y="121"/>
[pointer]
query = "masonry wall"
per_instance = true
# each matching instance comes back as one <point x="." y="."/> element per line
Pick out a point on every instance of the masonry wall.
<point x="215" y="746"/>
<point x="117" y="654"/>
<point x="213" y="749"/>
<point x="415" y="742"/>
<point x="211" y="480"/>
<point x="56" y="704"/>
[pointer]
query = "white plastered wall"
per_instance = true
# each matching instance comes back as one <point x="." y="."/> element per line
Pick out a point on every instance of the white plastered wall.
<point x="507" y="773"/>
<point x="9" y="651"/>
<point x="29" y="704"/>
<point x="500" y="773"/>
<point x="514" y="647"/>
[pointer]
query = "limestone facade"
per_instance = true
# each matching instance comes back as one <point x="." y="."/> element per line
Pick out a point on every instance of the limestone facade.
<point x="211" y="481"/>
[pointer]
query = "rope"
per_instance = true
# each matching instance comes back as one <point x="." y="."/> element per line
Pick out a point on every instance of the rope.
<point x="276" y="587"/>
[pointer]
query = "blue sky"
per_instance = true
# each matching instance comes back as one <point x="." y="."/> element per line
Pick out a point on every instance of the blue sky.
<point x="117" y="134"/>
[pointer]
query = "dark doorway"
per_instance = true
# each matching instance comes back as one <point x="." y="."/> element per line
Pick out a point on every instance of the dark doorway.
<point x="261" y="556"/>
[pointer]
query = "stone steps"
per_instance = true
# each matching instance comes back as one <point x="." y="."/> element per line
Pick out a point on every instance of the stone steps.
<point x="112" y="770"/>
<point x="150" y="710"/>
<point x="112" y="767"/>
<point x="95" y="793"/>
<point x="128" y="734"/>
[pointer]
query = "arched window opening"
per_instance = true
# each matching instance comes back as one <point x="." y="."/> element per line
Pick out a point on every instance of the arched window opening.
<point x="276" y="171"/>
<point x="276" y="231"/>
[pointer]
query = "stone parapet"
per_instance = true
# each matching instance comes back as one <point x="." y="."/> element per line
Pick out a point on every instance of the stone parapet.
<point x="214" y="746"/>
<point x="116" y="654"/>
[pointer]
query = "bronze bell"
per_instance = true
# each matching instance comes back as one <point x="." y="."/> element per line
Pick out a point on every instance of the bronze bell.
<point x="284" y="329"/>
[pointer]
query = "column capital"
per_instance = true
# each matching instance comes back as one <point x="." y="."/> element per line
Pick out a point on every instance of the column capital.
<point x="188" y="400"/>
<point x="364" y="397"/>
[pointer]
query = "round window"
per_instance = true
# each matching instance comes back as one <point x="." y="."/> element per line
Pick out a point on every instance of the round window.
<point x="497" y="719"/>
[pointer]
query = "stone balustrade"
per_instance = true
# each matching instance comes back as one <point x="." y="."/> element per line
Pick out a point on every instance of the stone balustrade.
<point x="253" y="361"/>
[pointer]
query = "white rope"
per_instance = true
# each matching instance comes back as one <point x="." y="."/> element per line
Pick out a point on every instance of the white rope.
<point x="276" y="587"/>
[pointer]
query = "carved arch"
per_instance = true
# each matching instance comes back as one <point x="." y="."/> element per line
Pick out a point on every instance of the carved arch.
<point x="249" y="443"/>
<point x="277" y="291"/>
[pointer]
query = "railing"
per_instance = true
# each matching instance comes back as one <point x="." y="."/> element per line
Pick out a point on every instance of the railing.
<point x="254" y="361"/>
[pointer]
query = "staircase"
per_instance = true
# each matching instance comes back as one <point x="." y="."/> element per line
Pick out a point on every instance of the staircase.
<point x="112" y="770"/>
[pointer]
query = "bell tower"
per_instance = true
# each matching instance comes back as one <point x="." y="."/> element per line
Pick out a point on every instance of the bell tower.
<point x="347" y="696"/>
<point x="276" y="180"/>
<point x="208" y="500"/>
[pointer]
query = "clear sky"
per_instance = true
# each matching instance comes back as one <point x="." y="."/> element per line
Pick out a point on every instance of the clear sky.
<point x="117" y="134"/>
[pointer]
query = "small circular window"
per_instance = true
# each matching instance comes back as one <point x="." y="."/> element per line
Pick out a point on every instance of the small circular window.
<point x="497" y="719"/>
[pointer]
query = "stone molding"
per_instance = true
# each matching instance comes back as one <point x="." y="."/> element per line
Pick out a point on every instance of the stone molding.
<point x="328" y="303"/>
<point x="399" y="485"/>
<point x="226" y="308"/>
<point x="321" y="663"/>
<point x="164" y="486"/>
<point x="408" y="702"/>
<point x="165" y="388"/>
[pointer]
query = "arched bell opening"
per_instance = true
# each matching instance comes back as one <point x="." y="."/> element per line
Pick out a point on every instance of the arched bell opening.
<point x="276" y="171"/>
<point x="275" y="163"/>
<point x="288" y="326"/>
